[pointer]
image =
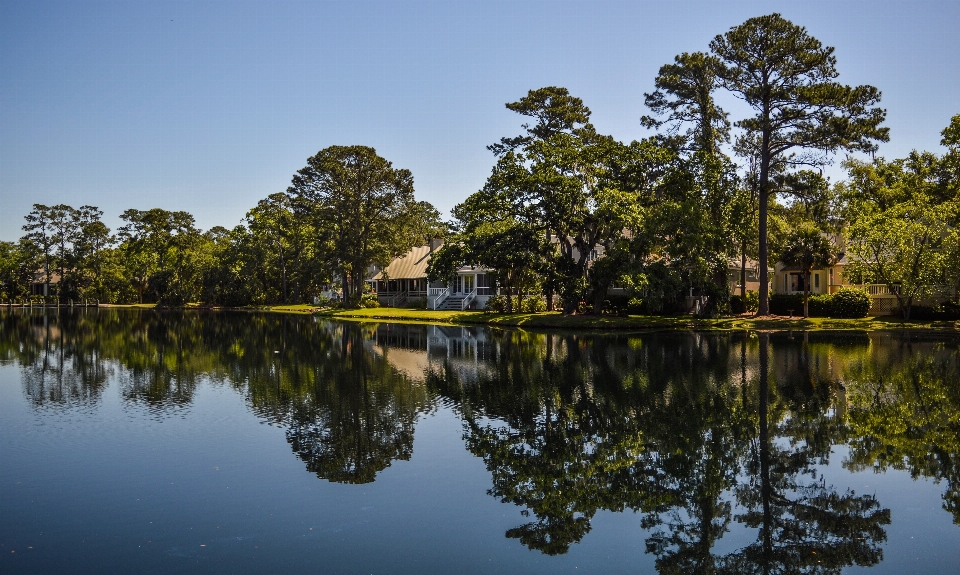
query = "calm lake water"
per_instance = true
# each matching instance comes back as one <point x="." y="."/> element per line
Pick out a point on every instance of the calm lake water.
<point x="166" y="442"/>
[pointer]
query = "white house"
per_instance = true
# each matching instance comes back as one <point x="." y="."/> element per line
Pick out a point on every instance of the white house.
<point x="404" y="283"/>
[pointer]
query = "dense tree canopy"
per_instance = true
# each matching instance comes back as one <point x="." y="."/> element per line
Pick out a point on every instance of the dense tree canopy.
<point x="362" y="209"/>
<point x="567" y="213"/>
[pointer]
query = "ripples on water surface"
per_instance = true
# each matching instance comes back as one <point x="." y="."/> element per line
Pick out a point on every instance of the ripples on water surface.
<point x="158" y="442"/>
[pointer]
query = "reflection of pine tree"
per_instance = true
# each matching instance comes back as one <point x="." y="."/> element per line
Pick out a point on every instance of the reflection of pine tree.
<point x="602" y="426"/>
<point x="562" y="456"/>
<point x="804" y="526"/>
<point x="663" y="426"/>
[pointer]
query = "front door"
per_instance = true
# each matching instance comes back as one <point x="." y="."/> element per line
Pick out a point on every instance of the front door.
<point x="464" y="284"/>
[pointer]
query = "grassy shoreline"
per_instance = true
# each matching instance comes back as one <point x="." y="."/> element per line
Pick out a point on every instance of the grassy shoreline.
<point x="555" y="320"/>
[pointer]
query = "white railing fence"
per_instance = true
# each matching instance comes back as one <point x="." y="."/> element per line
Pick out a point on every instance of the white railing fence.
<point x="467" y="300"/>
<point x="437" y="295"/>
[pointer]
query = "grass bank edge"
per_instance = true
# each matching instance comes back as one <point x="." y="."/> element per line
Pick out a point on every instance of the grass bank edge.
<point x="555" y="320"/>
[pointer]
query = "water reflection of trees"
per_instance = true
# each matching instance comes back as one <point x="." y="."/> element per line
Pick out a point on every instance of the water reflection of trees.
<point x="58" y="365"/>
<point x="905" y="412"/>
<point x="804" y="525"/>
<point x="696" y="433"/>
<point x="346" y="411"/>
<point x="687" y="430"/>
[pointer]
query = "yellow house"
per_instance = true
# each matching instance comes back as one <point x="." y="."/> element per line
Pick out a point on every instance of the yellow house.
<point x="829" y="279"/>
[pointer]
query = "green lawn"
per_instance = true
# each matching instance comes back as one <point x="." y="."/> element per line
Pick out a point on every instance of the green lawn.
<point x="554" y="320"/>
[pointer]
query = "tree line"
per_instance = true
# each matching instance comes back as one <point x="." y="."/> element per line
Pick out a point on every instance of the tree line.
<point x="668" y="213"/>
<point x="346" y="210"/>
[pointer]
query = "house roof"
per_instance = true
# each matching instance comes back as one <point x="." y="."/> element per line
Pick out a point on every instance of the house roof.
<point x="752" y="264"/>
<point x="411" y="265"/>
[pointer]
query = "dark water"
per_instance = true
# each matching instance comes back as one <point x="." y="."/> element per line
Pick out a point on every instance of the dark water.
<point x="144" y="442"/>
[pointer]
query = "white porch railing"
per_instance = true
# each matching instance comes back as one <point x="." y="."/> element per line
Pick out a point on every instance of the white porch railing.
<point x="884" y="290"/>
<point x="469" y="298"/>
<point x="437" y="295"/>
<point x="879" y="289"/>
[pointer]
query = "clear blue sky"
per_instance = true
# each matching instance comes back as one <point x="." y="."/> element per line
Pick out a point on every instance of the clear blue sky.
<point x="210" y="106"/>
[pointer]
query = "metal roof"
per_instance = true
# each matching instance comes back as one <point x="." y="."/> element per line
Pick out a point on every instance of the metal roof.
<point x="411" y="265"/>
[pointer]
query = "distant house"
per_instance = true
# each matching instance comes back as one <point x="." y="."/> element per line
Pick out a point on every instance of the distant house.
<point x="39" y="285"/>
<point x="752" y="282"/>
<point x="829" y="279"/>
<point x="404" y="283"/>
<point x="404" y="279"/>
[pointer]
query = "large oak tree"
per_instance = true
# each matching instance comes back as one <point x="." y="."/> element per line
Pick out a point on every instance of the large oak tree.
<point x="363" y="210"/>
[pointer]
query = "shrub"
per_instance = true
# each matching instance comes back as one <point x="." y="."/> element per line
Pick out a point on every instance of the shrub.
<point x="535" y="304"/>
<point x="369" y="300"/>
<point x="496" y="304"/>
<point x="947" y="311"/>
<point x="740" y="305"/>
<point x="851" y="303"/>
<point x="737" y="305"/>
<point x="636" y="306"/>
<point x="782" y="304"/>
<point x="821" y="305"/>
<point x="753" y="301"/>
<point x="616" y="304"/>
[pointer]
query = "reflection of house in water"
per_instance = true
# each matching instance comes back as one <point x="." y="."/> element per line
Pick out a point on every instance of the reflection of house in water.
<point x="413" y="349"/>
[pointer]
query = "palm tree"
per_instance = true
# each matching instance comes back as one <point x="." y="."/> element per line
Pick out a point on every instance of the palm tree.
<point x="807" y="248"/>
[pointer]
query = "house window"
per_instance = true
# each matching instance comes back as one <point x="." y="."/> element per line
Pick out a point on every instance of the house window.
<point x="816" y="281"/>
<point x="483" y="284"/>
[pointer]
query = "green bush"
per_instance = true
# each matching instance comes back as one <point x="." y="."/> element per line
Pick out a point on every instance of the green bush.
<point x="740" y="305"/>
<point x="623" y="305"/>
<point x="753" y="301"/>
<point x="737" y="305"/>
<point x="947" y="311"/>
<point x="369" y="300"/>
<point x="497" y="304"/>
<point x="851" y="303"/>
<point x="821" y="305"/>
<point x="616" y="304"/>
<point x="846" y="303"/>
<point x="535" y="304"/>
<point x="782" y="304"/>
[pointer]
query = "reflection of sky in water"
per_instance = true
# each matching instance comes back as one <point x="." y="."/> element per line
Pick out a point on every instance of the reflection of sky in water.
<point x="127" y="479"/>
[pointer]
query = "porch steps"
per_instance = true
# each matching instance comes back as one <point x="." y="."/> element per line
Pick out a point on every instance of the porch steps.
<point x="452" y="303"/>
